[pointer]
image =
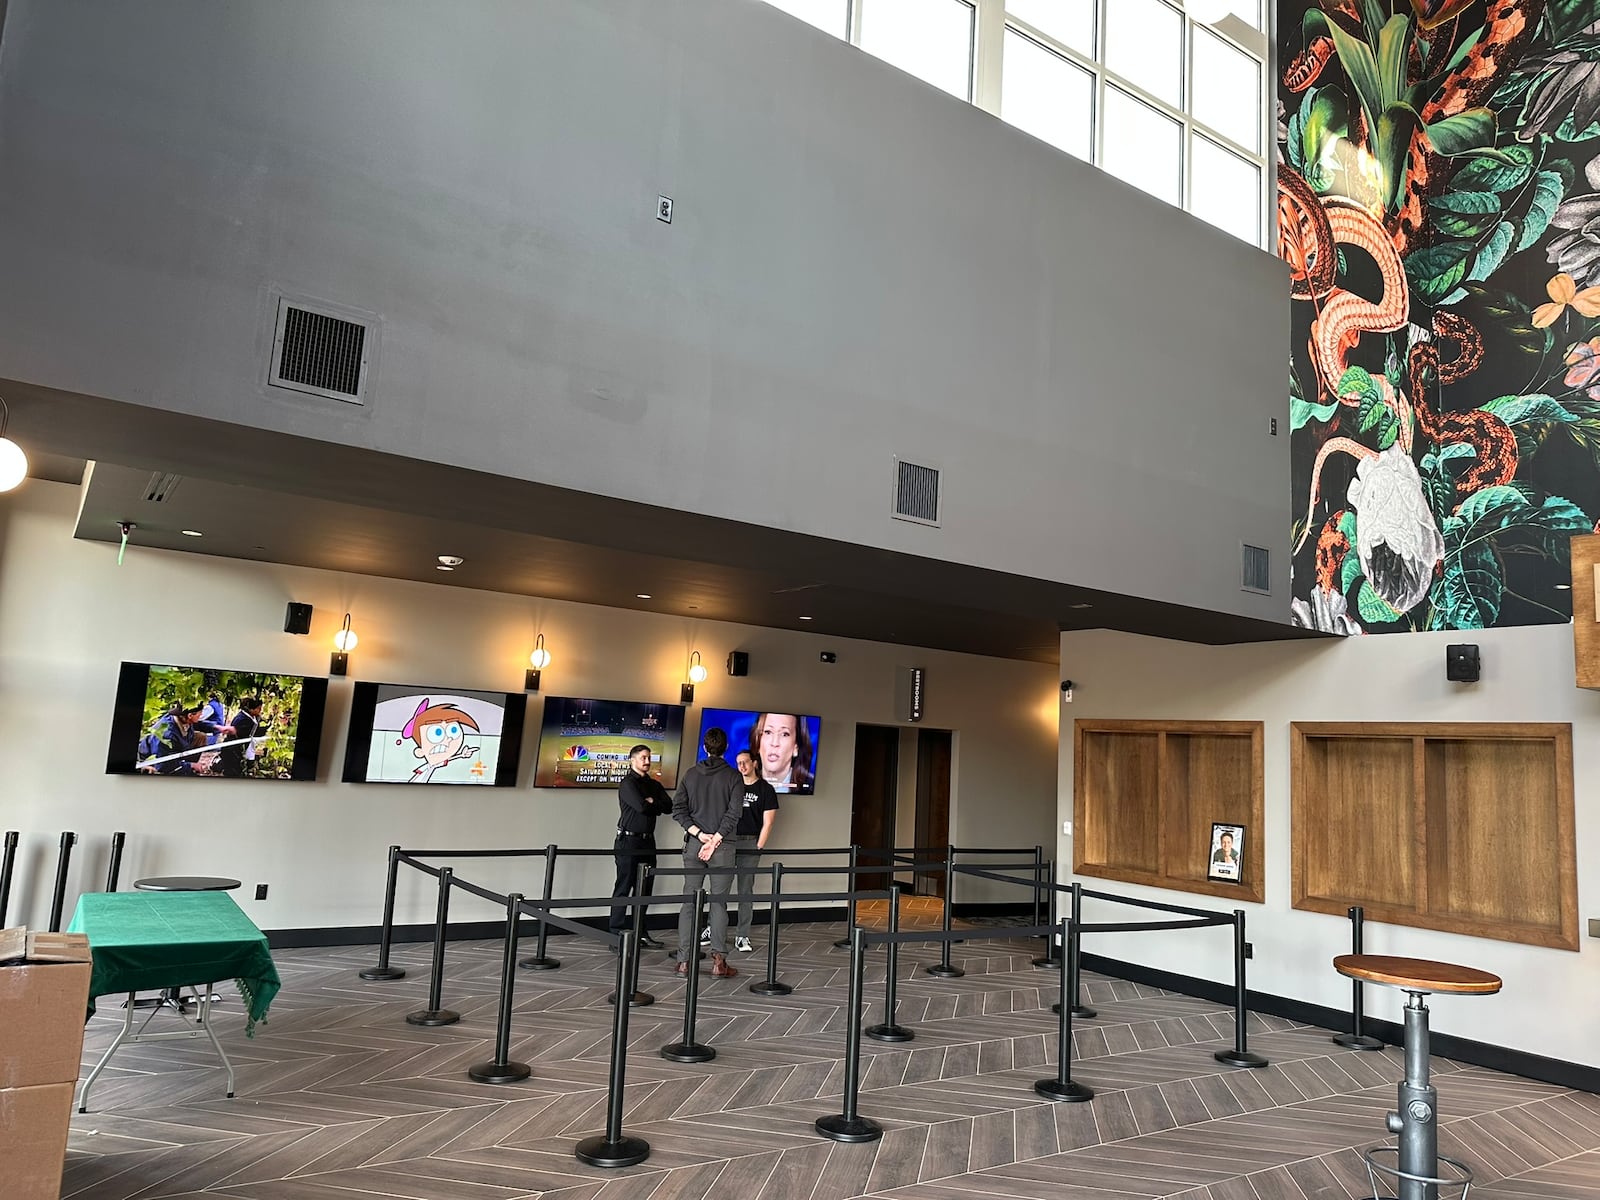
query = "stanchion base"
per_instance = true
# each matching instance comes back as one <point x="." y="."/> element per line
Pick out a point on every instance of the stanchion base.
<point x="495" y="1072"/>
<point x="379" y="973"/>
<point x="843" y="944"/>
<point x="1053" y="964"/>
<point x="1078" y="1010"/>
<point x="433" y="1016"/>
<point x="624" y="1152"/>
<point x="688" y="1052"/>
<point x="940" y="971"/>
<point x="849" y="1129"/>
<point x="637" y="1000"/>
<point x="1070" y="1092"/>
<point x="770" y="987"/>
<point x="1236" y="1058"/>
<point x="888" y="1033"/>
<point x="1356" y="1041"/>
<point x="540" y="964"/>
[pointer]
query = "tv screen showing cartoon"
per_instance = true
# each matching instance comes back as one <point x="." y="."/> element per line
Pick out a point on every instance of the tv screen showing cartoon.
<point x="784" y="744"/>
<point x="400" y="733"/>
<point x="585" y="743"/>
<point x="215" y="723"/>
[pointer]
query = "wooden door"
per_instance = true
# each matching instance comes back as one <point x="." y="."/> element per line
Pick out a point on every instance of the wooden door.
<point x="872" y="800"/>
<point x="933" y="802"/>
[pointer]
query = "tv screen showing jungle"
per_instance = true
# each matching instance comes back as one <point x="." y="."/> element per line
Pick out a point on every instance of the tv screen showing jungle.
<point x="585" y="743"/>
<point x="400" y="733"/>
<point x="784" y="745"/>
<point x="215" y="723"/>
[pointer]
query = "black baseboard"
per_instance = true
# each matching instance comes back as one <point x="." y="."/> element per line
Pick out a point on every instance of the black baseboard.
<point x="1479" y="1054"/>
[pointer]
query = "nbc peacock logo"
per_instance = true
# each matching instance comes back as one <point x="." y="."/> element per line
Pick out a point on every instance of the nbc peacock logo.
<point x="576" y="754"/>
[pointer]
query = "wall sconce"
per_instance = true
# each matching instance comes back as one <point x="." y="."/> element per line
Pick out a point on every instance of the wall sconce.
<point x="343" y="642"/>
<point x="540" y="659"/>
<point x="697" y="674"/>
<point x="13" y="462"/>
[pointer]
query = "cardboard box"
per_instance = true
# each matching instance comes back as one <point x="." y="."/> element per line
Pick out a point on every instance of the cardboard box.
<point x="33" y="1126"/>
<point x="42" y="1011"/>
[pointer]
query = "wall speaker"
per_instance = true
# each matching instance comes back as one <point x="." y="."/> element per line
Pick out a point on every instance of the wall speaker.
<point x="738" y="662"/>
<point x="297" y="618"/>
<point x="1461" y="663"/>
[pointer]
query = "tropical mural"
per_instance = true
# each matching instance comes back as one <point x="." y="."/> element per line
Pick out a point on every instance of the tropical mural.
<point x="1439" y="208"/>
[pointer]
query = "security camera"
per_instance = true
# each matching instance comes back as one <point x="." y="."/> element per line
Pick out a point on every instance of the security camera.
<point x="1066" y="685"/>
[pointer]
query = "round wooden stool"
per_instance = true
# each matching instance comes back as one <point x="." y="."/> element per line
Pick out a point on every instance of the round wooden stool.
<point x="1416" y="1122"/>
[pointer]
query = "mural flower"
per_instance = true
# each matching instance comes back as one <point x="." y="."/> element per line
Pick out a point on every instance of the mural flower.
<point x="1397" y="540"/>
<point x="1577" y="252"/>
<point x="1569" y="90"/>
<point x="1583" y="362"/>
<point x="1563" y="291"/>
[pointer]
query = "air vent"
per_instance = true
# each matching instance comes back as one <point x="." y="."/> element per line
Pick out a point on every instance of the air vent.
<point x="1255" y="574"/>
<point x="916" y="493"/>
<point x="320" y="352"/>
<point x="161" y="486"/>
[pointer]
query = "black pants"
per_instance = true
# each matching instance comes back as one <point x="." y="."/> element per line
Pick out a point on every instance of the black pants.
<point x="630" y="850"/>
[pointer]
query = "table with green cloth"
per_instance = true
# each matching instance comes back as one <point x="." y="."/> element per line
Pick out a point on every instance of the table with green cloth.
<point x="140" y="941"/>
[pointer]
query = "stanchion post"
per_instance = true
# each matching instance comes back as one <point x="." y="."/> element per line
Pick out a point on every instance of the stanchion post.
<point x="888" y="1031"/>
<point x="540" y="960"/>
<point x="1051" y="958"/>
<point x="689" y="1050"/>
<point x="1356" y="1039"/>
<point x="59" y="897"/>
<point x="1079" y="1008"/>
<point x="1240" y="1055"/>
<point x="386" y="933"/>
<point x="845" y="943"/>
<point x="114" y="869"/>
<point x="611" y="1149"/>
<point x="1063" y="1087"/>
<point x="636" y="998"/>
<point x="501" y="1069"/>
<point x="1038" y="874"/>
<point x="434" y="1014"/>
<point x="8" y="862"/>
<point x="850" y="1126"/>
<point x="770" y="985"/>
<point x="942" y="969"/>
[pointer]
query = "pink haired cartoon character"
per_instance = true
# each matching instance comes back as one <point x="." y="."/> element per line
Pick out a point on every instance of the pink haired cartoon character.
<point x="440" y="737"/>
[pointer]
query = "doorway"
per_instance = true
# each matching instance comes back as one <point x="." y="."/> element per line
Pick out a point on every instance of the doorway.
<point x="885" y="799"/>
<point x="933" y="802"/>
<point x="872" y="800"/>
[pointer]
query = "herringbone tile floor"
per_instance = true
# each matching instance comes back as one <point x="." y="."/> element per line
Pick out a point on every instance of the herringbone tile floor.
<point x="338" y="1098"/>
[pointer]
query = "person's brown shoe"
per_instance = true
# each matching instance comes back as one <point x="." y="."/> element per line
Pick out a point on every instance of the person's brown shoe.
<point x="720" y="967"/>
<point x="681" y="969"/>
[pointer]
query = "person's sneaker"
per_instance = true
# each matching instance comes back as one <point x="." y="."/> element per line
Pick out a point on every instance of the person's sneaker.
<point x="720" y="967"/>
<point x="705" y="936"/>
<point x="742" y="945"/>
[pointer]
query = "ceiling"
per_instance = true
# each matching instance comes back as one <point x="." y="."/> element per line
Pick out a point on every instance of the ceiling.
<point x="268" y="496"/>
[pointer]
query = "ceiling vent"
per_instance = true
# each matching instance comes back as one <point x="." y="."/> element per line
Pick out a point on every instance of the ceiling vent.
<point x="161" y="486"/>
<point x="319" y="351"/>
<point x="1255" y="571"/>
<point x="916" y="493"/>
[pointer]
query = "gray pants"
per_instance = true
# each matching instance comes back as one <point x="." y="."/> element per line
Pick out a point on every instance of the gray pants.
<point x="745" y="858"/>
<point x="717" y="885"/>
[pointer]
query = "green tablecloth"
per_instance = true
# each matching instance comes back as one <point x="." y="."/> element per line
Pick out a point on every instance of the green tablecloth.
<point x="147" y="940"/>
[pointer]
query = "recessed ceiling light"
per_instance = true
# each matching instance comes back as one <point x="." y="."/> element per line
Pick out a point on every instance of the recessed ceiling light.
<point x="1080" y="606"/>
<point x="192" y="533"/>
<point x="1563" y="587"/>
<point x="451" y="561"/>
<point x="444" y="567"/>
<point x="642" y="596"/>
<point x="805" y="618"/>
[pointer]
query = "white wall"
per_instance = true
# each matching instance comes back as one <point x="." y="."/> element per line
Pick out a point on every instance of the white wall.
<point x="1548" y="1004"/>
<point x="69" y="614"/>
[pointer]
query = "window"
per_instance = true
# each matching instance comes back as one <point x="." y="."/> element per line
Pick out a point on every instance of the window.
<point x="1227" y="90"/>
<point x="1070" y="22"/>
<point x="1143" y="146"/>
<point x="1144" y="45"/>
<point x="1225" y="189"/>
<point x="1048" y="95"/>
<point x="830" y="16"/>
<point x="931" y="39"/>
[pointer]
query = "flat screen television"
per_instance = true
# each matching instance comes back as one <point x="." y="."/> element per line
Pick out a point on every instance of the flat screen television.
<point x="400" y="733"/>
<point x="585" y="743"/>
<point x="215" y="723"/>
<point x="785" y="744"/>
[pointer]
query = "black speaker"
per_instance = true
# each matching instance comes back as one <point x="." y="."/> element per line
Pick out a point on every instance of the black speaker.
<point x="1461" y="663"/>
<point x="297" y="618"/>
<point x="738" y="662"/>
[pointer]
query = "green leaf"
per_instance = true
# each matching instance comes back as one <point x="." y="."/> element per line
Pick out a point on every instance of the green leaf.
<point x="1355" y="56"/>
<point x="1465" y="214"/>
<point x="1471" y="587"/>
<point x="1350" y="569"/>
<point x="1394" y="46"/>
<point x="1374" y="609"/>
<point x="1326" y="116"/>
<point x="1511" y="170"/>
<point x="1545" y="198"/>
<point x="1470" y="130"/>
<point x="1391" y="144"/>
<point x="1493" y="252"/>
<point x="1435" y="270"/>
<point x="1496" y="311"/>
<point x="1567" y="17"/>
<point x="1530" y="417"/>
<point x="1301" y="413"/>
<point x="1357" y="381"/>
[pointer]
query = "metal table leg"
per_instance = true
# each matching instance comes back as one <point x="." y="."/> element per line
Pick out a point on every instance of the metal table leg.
<point x="199" y="1026"/>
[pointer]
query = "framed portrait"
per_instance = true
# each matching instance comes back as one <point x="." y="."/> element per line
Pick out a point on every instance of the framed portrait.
<point x="1227" y="852"/>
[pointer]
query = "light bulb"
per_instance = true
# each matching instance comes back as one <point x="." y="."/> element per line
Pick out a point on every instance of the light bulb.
<point x="697" y="673"/>
<point x="539" y="659"/>
<point x="13" y="464"/>
<point x="345" y="641"/>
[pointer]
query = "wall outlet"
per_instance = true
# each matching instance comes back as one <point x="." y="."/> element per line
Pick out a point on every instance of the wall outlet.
<point x="1272" y="426"/>
<point x="261" y="891"/>
<point x="1249" y="949"/>
<point x="1594" y="926"/>
<point x="1066" y="828"/>
<point x="664" y="209"/>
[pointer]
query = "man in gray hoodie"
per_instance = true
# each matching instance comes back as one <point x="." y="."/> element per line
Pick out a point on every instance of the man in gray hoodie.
<point x="707" y="805"/>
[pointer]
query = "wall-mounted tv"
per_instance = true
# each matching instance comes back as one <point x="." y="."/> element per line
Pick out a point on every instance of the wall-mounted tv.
<point x="215" y="723"/>
<point x="784" y="744"/>
<point x="585" y="743"/>
<point x="405" y="734"/>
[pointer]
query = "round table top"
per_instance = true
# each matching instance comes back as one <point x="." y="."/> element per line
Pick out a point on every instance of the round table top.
<point x="1417" y="974"/>
<point x="186" y="883"/>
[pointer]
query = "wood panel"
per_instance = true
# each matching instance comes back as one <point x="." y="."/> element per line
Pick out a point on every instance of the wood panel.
<point x="1357" y="844"/>
<point x="1585" y="615"/>
<point x="1122" y="818"/>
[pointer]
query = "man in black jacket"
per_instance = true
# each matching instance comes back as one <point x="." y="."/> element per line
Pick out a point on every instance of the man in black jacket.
<point x="640" y="799"/>
<point x="707" y="806"/>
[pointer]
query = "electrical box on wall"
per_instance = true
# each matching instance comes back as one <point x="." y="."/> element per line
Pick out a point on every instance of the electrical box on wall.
<point x="909" y="686"/>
